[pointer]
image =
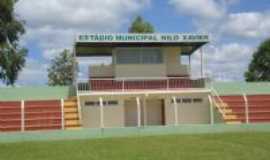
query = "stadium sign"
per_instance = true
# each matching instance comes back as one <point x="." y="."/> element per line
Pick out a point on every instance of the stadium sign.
<point x="131" y="37"/>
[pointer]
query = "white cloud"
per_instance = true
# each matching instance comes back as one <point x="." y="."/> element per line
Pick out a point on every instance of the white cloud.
<point x="229" y="53"/>
<point x="53" y="24"/>
<point x="248" y="24"/>
<point x="224" y="62"/>
<point x="208" y="9"/>
<point x="77" y="14"/>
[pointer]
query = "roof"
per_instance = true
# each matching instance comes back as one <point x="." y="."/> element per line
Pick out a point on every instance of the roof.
<point x="238" y="88"/>
<point x="87" y="44"/>
<point x="35" y="93"/>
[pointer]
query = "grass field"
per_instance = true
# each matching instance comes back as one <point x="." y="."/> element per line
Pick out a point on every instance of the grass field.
<point x="225" y="146"/>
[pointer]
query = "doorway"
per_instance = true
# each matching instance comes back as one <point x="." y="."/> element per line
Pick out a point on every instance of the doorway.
<point x="155" y="112"/>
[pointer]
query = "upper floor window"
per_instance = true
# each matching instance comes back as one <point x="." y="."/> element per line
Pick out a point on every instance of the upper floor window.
<point x="139" y="56"/>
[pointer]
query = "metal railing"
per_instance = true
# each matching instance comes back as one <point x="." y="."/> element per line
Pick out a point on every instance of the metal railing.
<point x="137" y="83"/>
<point x="218" y="101"/>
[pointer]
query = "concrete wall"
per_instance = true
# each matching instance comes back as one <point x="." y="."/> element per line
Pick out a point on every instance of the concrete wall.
<point x="189" y="113"/>
<point x="125" y="113"/>
<point x="170" y="66"/>
<point x="113" y="115"/>
<point x="140" y="70"/>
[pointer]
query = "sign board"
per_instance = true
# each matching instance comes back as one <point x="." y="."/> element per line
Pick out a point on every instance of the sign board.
<point x="142" y="38"/>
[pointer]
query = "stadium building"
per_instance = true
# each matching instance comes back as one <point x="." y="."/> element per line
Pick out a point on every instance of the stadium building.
<point x="148" y="83"/>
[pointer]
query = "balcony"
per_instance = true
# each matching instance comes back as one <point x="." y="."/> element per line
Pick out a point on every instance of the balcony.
<point x="178" y="69"/>
<point x="138" y="84"/>
<point x="101" y="70"/>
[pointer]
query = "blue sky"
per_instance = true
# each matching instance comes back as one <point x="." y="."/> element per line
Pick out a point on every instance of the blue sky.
<point x="236" y="28"/>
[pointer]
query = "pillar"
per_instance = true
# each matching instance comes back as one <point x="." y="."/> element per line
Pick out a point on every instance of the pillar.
<point x="175" y="111"/>
<point x="101" y="112"/>
<point x="138" y="111"/>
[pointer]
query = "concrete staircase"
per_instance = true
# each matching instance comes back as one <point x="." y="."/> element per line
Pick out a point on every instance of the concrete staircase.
<point x="228" y="115"/>
<point x="71" y="114"/>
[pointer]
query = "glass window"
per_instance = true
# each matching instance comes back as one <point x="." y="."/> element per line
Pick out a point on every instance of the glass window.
<point x="197" y="100"/>
<point x="186" y="100"/>
<point x="112" y="103"/>
<point x="139" y="56"/>
<point x="127" y="57"/>
<point x="90" y="103"/>
<point x="151" y="56"/>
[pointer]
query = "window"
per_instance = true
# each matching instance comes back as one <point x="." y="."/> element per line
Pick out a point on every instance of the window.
<point x="186" y="100"/>
<point x="127" y="57"/>
<point x="139" y="56"/>
<point x="91" y="103"/>
<point x="197" y="100"/>
<point x="105" y="103"/>
<point x="151" y="56"/>
<point x="112" y="103"/>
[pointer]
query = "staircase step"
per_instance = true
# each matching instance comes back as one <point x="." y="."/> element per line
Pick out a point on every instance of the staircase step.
<point x="227" y="111"/>
<point x="70" y="110"/>
<point x="71" y="116"/>
<point x="72" y="122"/>
<point x="70" y="104"/>
<point x="230" y="117"/>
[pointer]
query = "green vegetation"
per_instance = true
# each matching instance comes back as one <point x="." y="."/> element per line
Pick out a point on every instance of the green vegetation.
<point x="12" y="56"/>
<point x="223" y="146"/>
<point x="259" y="68"/>
<point x="141" y="26"/>
<point x="62" y="69"/>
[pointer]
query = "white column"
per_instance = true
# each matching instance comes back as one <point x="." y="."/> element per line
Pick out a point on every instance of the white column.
<point x="62" y="114"/>
<point x="175" y="111"/>
<point x="101" y="112"/>
<point x="246" y="108"/>
<point x="138" y="111"/>
<point x="211" y="110"/>
<point x="144" y="112"/>
<point x="22" y="116"/>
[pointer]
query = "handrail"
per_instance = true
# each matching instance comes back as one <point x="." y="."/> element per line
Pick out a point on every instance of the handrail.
<point x="140" y="78"/>
<point x="215" y="93"/>
<point x="123" y="84"/>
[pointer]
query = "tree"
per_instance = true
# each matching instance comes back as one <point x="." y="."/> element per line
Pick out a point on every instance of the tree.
<point x="259" y="68"/>
<point x="62" y="69"/>
<point x="12" y="56"/>
<point x="141" y="26"/>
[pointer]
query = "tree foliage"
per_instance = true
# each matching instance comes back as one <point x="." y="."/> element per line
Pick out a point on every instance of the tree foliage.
<point x="141" y="26"/>
<point x="62" y="69"/>
<point x="12" y="56"/>
<point x="259" y="68"/>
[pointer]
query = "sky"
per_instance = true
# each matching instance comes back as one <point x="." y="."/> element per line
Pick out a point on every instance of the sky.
<point x="236" y="28"/>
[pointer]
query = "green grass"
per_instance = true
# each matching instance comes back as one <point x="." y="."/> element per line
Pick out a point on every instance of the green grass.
<point x="223" y="146"/>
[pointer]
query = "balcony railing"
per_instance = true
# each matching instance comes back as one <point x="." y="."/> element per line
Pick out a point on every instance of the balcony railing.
<point x="128" y="84"/>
